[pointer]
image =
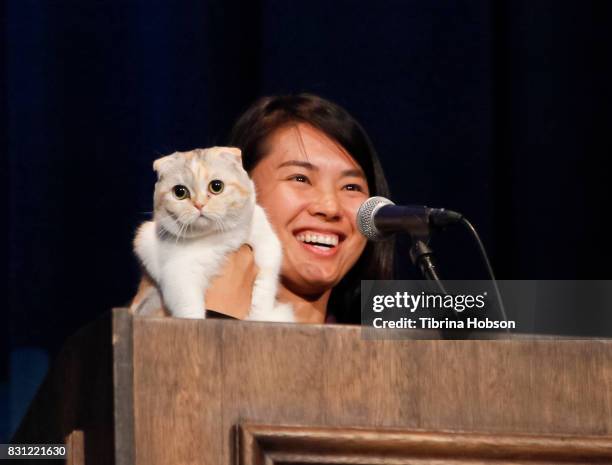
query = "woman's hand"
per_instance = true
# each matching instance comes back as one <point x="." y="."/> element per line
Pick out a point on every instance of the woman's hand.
<point x="230" y="292"/>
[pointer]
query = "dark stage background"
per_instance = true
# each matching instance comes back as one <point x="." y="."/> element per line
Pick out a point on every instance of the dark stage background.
<point x="498" y="109"/>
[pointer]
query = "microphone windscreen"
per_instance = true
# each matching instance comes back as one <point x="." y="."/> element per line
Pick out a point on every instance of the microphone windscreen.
<point x="366" y="215"/>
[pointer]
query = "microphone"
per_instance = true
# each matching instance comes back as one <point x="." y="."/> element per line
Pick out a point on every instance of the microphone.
<point x="378" y="218"/>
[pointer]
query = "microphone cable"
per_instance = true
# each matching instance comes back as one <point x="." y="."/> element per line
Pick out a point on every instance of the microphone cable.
<point x="485" y="258"/>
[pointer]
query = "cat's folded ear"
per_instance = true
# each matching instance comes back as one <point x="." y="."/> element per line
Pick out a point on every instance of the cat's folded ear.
<point x="163" y="164"/>
<point x="232" y="154"/>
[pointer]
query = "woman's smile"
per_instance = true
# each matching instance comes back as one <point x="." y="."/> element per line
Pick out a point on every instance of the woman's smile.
<point x="324" y="243"/>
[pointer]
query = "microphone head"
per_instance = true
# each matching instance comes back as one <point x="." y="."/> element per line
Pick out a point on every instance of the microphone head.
<point x="365" y="218"/>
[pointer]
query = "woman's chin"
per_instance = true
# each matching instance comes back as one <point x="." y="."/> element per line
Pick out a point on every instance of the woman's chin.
<point x="313" y="280"/>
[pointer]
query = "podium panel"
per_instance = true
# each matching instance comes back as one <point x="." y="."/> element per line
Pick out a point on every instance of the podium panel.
<point x="138" y="390"/>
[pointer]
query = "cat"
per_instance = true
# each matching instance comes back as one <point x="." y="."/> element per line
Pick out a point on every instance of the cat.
<point x="204" y="209"/>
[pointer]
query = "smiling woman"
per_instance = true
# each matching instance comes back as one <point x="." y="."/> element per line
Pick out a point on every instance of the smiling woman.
<point x="313" y="165"/>
<point x="311" y="189"/>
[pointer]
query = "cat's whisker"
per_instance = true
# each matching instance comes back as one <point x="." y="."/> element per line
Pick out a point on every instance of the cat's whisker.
<point x="215" y="222"/>
<point x="222" y="225"/>
<point x="219" y="225"/>
<point x="184" y="230"/>
<point x="164" y="233"/>
<point x="179" y="233"/>
<point x="183" y="225"/>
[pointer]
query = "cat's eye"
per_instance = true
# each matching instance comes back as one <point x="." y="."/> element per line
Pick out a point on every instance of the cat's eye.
<point x="180" y="192"/>
<point x="216" y="186"/>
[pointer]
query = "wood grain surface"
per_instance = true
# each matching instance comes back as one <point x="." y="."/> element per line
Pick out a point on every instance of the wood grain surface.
<point x="75" y="444"/>
<point x="194" y="381"/>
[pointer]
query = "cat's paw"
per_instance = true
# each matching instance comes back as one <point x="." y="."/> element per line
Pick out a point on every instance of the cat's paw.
<point x="280" y="313"/>
<point x="191" y="313"/>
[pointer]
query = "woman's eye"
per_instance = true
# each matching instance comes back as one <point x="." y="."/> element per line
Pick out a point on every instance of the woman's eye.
<point x="300" y="178"/>
<point x="216" y="186"/>
<point x="180" y="192"/>
<point x="353" y="187"/>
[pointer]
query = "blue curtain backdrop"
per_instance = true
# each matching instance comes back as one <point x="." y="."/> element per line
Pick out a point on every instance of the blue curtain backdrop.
<point x="499" y="109"/>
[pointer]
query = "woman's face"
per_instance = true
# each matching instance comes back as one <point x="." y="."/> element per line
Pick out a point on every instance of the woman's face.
<point x="311" y="189"/>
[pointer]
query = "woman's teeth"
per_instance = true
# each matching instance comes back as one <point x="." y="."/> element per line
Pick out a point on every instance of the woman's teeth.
<point x="328" y="240"/>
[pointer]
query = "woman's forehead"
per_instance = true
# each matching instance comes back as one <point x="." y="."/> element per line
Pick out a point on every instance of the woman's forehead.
<point x="302" y="142"/>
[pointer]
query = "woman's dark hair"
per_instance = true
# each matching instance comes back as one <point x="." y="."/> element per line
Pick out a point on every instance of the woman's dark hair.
<point x="267" y="115"/>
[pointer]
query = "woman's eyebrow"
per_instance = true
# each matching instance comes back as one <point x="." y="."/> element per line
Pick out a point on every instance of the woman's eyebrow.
<point x="354" y="173"/>
<point x="300" y="163"/>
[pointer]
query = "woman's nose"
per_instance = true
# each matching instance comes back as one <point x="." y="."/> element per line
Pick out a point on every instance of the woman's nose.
<point x="327" y="204"/>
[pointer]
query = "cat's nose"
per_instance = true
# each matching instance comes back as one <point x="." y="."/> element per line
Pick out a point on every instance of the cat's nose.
<point x="198" y="205"/>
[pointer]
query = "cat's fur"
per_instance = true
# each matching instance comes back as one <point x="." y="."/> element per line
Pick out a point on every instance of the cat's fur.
<point x="185" y="246"/>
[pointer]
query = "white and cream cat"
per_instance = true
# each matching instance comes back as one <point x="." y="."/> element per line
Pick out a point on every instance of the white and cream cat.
<point x="205" y="209"/>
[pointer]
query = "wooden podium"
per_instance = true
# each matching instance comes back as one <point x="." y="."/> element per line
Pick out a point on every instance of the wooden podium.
<point x="149" y="391"/>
